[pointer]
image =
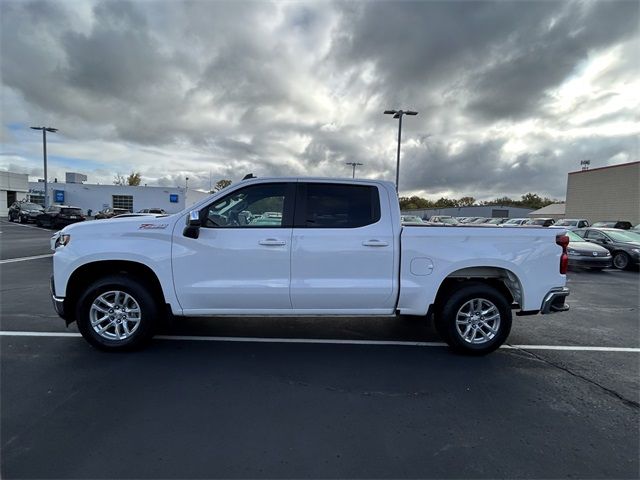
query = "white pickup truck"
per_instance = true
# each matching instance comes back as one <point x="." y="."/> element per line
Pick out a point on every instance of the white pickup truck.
<point x="303" y="246"/>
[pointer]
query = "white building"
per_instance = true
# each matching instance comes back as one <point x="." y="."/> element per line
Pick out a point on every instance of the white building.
<point x="97" y="197"/>
<point x="13" y="187"/>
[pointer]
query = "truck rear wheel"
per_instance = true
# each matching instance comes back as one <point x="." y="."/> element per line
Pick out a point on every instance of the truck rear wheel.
<point x="117" y="313"/>
<point x="475" y="319"/>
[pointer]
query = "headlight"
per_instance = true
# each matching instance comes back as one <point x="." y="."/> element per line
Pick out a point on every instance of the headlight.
<point x="608" y="254"/>
<point x="571" y="251"/>
<point x="63" y="240"/>
<point x="635" y="250"/>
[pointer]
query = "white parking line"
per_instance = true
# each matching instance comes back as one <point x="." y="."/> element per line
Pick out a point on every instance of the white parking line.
<point x="4" y="222"/>
<point x="25" y="259"/>
<point x="201" y="338"/>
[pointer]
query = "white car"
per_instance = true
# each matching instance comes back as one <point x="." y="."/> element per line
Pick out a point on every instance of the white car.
<point x="330" y="247"/>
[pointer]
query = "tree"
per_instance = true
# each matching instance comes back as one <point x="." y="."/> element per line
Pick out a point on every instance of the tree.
<point x="220" y="184"/>
<point x="134" y="179"/>
<point x="466" y="201"/>
<point x="118" y="179"/>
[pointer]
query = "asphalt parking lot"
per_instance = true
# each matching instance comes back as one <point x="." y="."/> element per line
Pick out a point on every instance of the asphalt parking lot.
<point x="317" y="397"/>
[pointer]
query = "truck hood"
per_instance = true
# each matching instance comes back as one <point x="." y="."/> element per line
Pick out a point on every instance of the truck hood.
<point x="113" y="226"/>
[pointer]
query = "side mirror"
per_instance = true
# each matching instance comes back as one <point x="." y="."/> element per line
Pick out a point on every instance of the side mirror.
<point x="192" y="230"/>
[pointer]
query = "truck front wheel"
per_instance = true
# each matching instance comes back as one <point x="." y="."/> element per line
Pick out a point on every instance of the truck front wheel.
<point x="117" y="312"/>
<point x="475" y="319"/>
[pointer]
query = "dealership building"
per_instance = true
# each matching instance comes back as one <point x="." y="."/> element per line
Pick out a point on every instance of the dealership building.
<point x="92" y="197"/>
<point x="606" y="193"/>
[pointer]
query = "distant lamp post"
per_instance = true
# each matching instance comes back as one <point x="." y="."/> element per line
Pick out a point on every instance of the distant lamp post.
<point x="354" y="165"/>
<point x="186" y="184"/>
<point x="585" y="164"/>
<point x="44" y="151"/>
<point x="399" y="114"/>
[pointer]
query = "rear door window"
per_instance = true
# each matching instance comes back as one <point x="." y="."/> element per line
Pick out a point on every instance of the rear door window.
<point x="327" y="205"/>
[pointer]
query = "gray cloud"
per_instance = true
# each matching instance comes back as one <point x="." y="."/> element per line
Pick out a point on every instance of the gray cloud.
<point x="179" y="89"/>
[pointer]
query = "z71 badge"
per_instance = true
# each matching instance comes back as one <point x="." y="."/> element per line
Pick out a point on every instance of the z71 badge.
<point x="153" y="226"/>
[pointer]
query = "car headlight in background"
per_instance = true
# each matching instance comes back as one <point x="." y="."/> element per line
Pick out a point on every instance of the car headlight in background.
<point x="571" y="251"/>
<point x="63" y="240"/>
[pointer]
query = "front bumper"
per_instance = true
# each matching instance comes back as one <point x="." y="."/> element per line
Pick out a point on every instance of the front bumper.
<point x="590" y="262"/>
<point x="58" y="302"/>
<point x="554" y="301"/>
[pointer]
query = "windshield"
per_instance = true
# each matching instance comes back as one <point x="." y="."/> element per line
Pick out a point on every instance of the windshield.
<point x="31" y="206"/>
<point x="71" y="211"/>
<point x="495" y="221"/>
<point x="448" y="220"/>
<point x="573" y="237"/>
<point x="537" y="222"/>
<point x="567" y="223"/>
<point x="624" y="236"/>
<point x="512" y="221"/>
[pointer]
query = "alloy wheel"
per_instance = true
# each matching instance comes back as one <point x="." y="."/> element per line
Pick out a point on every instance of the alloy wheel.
<point x="478" y="321"/>
<point x="115" y="315"/>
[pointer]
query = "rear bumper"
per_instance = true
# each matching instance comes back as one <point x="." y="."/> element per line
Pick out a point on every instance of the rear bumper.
<point x="554" y="301"/>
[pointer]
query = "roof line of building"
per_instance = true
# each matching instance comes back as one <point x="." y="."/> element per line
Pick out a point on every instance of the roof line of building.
<point x="602" y="168"/>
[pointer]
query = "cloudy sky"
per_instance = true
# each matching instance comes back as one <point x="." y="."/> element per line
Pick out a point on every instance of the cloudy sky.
<point x="511" y="95"/>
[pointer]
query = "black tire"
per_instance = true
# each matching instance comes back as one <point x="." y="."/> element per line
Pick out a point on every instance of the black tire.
<point x="447" y="313"/>
<point x="621" y="260"/>
<point x="150" y="313"/>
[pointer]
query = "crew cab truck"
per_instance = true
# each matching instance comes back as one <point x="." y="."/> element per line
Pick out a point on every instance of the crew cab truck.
<point x="303" y="246"/>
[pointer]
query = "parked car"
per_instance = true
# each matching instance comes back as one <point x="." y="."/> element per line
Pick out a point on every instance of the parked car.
<point x="410" y="219"/>
<point x="620" y="224"/>
<point x="496" y="221"/>
<point x="623" y="245"/>
<point x="58" y="216"/>
<point x="442" y="220"/>
<point x="540" y="222"/>
<point x="24" y="212"/>
<point x="153" y="210"/>
<point x="515" y="222"/>
<point x="110" y="212"/>
<point x="129" y="215"/>
<point x="572" y="223"/>
<point x="585" y="254"/>
<point x="338" y="250"/>
<point x="470" y="219"/>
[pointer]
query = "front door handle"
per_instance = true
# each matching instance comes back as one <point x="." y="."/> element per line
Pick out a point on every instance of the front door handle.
<point x="272" y="242"/>
<point x="375" y="243"/>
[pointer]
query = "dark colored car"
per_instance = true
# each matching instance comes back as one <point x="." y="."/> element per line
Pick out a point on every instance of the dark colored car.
<point x="110" y="212"/>
<point x="624" y="246"/>
<point x="58" y="216"/>
<point x="620" y="224"/>
<point x="540" y="222"/>
<point x="24" y="212"/>
<point x="585" y="254"/>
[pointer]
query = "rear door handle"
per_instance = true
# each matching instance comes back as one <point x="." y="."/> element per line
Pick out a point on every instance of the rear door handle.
<point x="272" y="242"/>
<point x="374" y="243"/>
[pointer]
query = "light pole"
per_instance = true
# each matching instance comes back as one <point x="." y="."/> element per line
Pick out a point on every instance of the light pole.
<point x="186" y="184"/>
<point x="44" y="150"/>
<point x="354" y="165"/>
<point x="399" y="114"/>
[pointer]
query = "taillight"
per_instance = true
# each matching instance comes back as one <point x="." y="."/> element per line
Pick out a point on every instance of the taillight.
<point x="563" y="241"/>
